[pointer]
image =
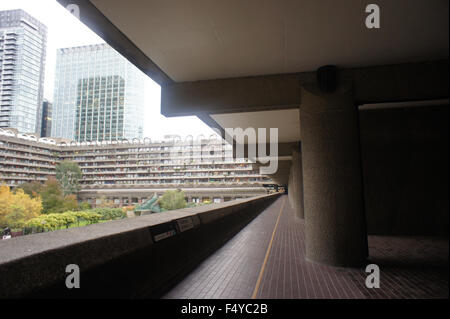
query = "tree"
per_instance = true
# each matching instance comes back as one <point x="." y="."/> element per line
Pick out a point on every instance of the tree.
<point x="70" y="203"/>
<point x="68" y="174"/>
<point x="17" y="207"/>
<point x="32" y="189"/>
<point x="53" y="199"/>
<point x="172" y="199"/>
<point x="52" y="196"/>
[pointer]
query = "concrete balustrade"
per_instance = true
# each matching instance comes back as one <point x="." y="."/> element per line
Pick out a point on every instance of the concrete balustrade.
<point x="135" y="257"/>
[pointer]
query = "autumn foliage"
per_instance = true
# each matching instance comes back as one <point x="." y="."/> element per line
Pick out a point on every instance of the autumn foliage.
<point x="17" y="207"/>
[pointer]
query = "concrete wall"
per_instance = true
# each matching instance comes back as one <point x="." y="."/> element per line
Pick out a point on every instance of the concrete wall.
<point x="405" y="165"/>
<point x="125" y="258"/>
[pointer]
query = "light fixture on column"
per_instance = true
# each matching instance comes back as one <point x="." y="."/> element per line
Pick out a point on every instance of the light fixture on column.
<point x="327" y="78"/>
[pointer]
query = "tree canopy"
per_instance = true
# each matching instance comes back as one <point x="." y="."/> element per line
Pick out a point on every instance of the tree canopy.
<point x="52" y="196"/>
<point x="68" y="174"/>
<point x="17" y="207"/>
<point x="172" y="199"/>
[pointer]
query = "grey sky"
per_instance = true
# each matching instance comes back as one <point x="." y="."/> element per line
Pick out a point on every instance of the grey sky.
<point x="64" y="30"/>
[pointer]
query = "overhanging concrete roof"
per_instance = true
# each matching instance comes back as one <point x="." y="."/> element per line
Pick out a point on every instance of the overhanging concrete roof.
<point x="197" y="40"/>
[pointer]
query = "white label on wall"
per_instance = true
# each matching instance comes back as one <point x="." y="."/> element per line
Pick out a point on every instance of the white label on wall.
<point x="185" y="224"/>
<point x="165" y="235"/>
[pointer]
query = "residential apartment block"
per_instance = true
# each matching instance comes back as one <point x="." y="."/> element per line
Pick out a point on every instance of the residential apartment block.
<point x="130" y="172"/>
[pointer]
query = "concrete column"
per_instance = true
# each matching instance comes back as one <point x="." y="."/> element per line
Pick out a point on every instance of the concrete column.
<point x="333" y="196"/>
<point x="291" y="187"/>
<point x="297" y="182"/>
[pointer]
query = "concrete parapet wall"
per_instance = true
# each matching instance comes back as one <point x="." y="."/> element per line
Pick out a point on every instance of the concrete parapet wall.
<point x="130" y="258"/>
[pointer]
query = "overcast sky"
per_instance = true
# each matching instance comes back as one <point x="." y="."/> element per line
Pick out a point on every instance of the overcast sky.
<point x="64" y="30"/>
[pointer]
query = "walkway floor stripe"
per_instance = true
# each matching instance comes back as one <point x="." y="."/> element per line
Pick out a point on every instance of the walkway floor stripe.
<point x="269" y="247"/>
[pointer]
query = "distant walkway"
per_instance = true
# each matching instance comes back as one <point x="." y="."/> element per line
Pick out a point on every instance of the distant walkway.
<point x="267" y="260"/>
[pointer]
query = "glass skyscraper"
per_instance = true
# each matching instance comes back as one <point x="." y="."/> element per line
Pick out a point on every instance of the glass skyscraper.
<point x="23" y="41"/>
<point x="99" y="95"/>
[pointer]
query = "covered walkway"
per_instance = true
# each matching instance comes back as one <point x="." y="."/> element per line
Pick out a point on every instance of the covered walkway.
<point x="266" y="259"/>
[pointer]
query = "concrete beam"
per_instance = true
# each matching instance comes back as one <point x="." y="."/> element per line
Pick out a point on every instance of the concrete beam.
<point x="230" y="95"/>
<point x="374" y="84"/>
<point x="284" y="149"/>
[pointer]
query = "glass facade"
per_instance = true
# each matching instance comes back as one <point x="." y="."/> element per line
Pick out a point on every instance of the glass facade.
<point x="22" y="66"/>
<point x="99" y="95"/>
<point x="99" y="108"/>
<point x="46" y="126"/>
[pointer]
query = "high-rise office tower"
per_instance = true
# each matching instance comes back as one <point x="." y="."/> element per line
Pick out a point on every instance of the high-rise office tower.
<point x="46" y="127"/>
<point x="23" y="41"/>
<point x="99" y="95"/>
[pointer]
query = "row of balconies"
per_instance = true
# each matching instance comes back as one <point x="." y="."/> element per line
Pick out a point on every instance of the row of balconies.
<point x="158" y="154"/>
<point x="28" y="149"/>
<point x="96" y="172"/>
<point x="146" y="144"/>
<point x="38" y="158"/>
<point x="38" y="171"/>
<point x="26" y="177"/>
<point x="117" y="159"/>
<point x="138" y="151"/>
<point x="17" y="163"/>
<point x="145" y="165"/>
<point x="38" y="161"/>
<point x="137" y="184"/>
<point x="113" y="178"/>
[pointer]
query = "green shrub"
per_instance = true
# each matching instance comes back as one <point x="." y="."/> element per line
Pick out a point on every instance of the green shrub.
<point x="85" y="206"/>
<point x="110" y="213"/>
<point x="172" y="199"/>
<point x="49" y="222"/>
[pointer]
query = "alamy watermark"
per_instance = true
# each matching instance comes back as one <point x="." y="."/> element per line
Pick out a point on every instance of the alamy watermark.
<point x="373" y="279"/>
<point x="73" y="279"/>
<point x="74" y="9"/>
<point x="373" y="18"/>
<point x="262" y="148"/>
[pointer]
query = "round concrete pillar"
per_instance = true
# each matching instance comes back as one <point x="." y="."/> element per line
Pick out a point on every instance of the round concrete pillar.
<point x="297" y="182"/>
<point x="333" y="201"/>
<point x="291" y="187"/>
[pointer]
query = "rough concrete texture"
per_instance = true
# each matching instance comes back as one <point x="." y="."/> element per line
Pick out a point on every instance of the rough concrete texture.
<point x="291" y="188"/>
<point x="333" y="198"/>
<point x="297" y="181"/>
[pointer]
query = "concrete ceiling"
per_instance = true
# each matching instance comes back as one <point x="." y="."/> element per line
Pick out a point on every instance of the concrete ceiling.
<point x="207" y="39"/>
<point x="287" y="122"/>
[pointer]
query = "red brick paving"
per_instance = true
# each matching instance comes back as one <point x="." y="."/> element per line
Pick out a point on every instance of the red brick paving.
<point x="411" y="267"/>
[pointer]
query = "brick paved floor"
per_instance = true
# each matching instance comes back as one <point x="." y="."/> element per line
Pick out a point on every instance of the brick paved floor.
<point x="411" y="267"/>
